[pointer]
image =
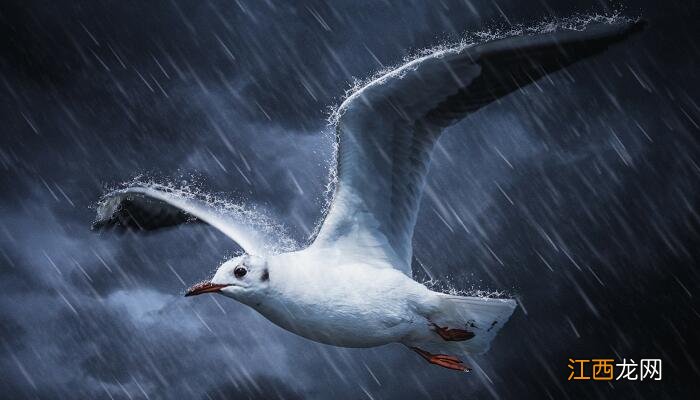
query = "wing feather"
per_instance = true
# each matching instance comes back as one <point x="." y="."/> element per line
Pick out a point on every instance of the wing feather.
<point x="387" y="129"/>
<point x="143" y="208"/>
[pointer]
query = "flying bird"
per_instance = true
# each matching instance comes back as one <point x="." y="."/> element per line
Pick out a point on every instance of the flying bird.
<point x="352" y="286"/>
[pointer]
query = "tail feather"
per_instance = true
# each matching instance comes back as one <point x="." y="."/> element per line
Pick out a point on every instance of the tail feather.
<point x="483" y="317"/>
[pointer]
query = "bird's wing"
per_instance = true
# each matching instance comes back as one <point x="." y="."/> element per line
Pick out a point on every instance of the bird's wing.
<point x="142" y="208"/>
<point x="386" y="130"/>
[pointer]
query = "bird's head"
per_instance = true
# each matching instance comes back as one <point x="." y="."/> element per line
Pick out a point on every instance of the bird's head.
<point x="241" y="278"/>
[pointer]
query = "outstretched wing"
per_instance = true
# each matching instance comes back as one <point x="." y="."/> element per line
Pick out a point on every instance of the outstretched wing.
<point x="144" y="209"/>
<point x="387" y="129"/>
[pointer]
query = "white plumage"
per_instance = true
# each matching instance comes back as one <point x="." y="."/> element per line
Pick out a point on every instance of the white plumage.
<point x="352" y="286"/>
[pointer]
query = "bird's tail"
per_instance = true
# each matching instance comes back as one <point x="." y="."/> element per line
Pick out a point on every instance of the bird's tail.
<point x="478" y="318"/>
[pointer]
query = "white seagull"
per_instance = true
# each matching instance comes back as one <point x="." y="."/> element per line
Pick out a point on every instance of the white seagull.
<point x="352" y="286"/>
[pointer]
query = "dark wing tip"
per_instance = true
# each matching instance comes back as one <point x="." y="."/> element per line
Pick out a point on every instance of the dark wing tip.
<point x="138" y="213"/>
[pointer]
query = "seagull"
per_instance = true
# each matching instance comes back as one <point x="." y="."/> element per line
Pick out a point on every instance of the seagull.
<point x="352" y="285"/>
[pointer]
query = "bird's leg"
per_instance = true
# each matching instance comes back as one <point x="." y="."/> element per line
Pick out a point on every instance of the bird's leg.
<point x="443" y="360"/>
<point x="452" y="335"/>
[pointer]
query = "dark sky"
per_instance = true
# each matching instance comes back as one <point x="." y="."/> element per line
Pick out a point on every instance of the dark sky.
<point x="579" y="198"/>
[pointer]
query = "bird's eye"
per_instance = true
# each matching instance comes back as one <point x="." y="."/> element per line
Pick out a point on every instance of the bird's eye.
<point x="240" y="272"/>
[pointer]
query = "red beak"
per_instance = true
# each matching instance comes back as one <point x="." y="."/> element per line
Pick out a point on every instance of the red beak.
<point x="204" y="287"/>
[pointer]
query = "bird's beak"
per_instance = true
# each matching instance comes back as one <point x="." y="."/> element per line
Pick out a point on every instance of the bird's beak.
<point x="204" y="287"/>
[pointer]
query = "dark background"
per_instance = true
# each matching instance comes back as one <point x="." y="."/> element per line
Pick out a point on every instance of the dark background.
<point x="579" y="197"/>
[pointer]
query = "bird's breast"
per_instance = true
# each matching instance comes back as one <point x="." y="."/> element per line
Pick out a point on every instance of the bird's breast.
<point x="344" y="310"/>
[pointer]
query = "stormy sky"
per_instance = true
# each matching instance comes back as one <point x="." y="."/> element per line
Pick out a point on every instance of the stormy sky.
<point x="578" y="197"/>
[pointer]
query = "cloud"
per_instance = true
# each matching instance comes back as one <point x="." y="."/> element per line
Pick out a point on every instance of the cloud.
<point x="260" y="387"/>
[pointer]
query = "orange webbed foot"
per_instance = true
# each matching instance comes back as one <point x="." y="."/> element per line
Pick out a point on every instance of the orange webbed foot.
<point x="452" y="335"/>
<point x="443" y="360"/>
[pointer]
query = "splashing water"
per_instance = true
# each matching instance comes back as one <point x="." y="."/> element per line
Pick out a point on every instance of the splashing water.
<point x="445" y="285"/>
